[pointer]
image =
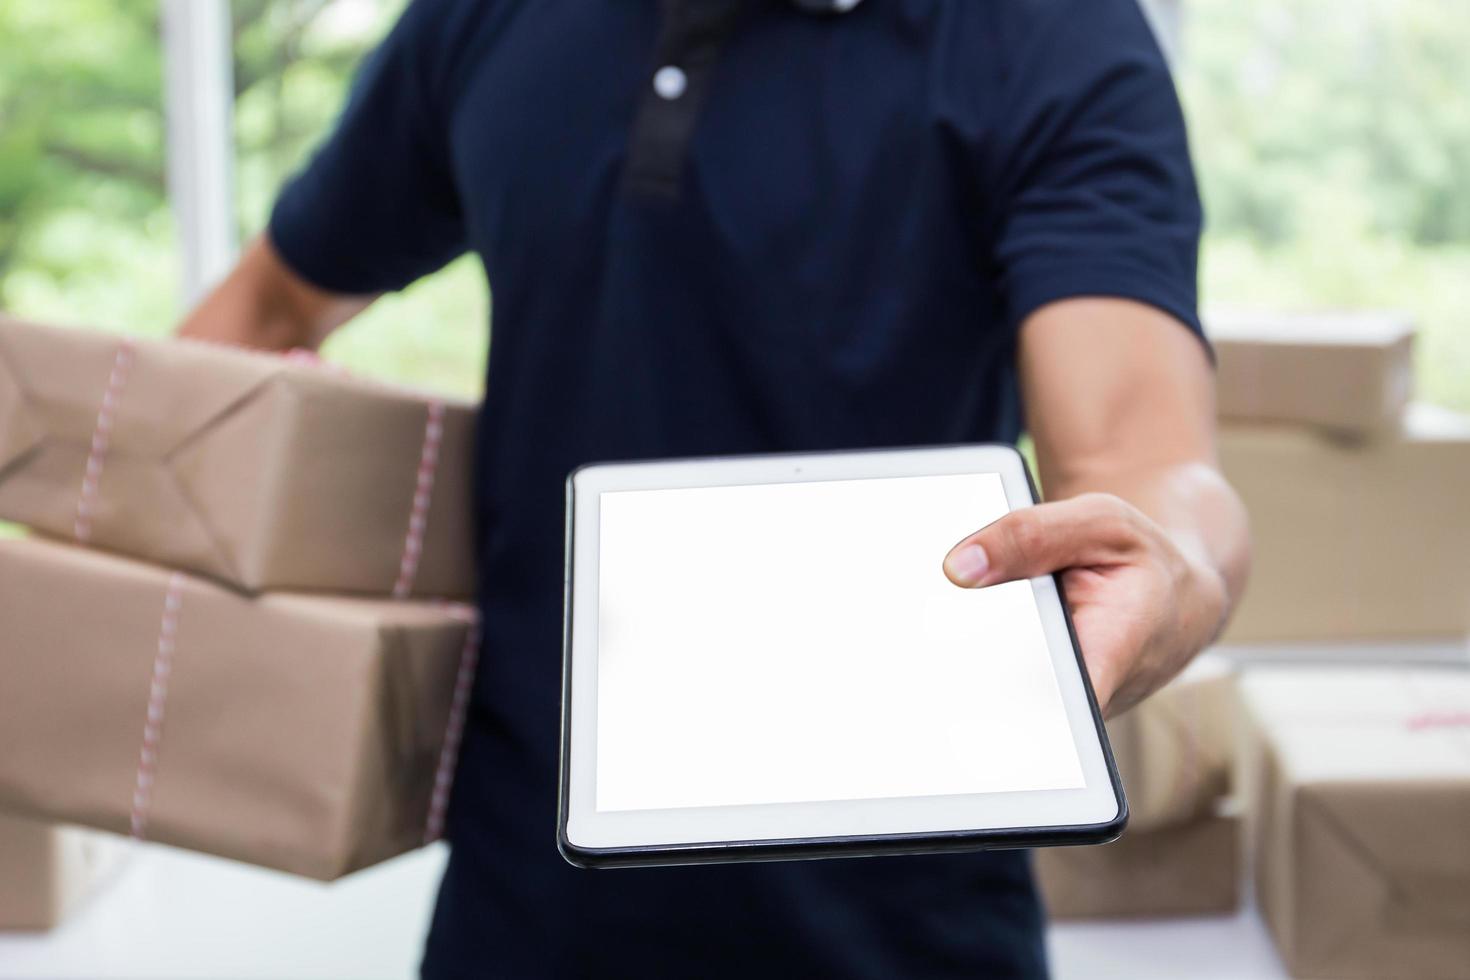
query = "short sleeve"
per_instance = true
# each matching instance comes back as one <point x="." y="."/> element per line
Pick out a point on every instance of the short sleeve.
<point x="1096" y="194"/>
<point x="377" y="206"/>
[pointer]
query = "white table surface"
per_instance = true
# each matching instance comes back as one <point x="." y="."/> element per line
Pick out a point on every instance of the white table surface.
<point x="169" y="915"/>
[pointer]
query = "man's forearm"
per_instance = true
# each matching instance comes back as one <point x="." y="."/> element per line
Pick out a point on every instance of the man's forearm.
<point x="263" y="304"/>
<point x="1120" y="400"/>
<point x="1151" y="542"/>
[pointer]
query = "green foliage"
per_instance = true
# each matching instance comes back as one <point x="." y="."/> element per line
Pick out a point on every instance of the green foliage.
<point x="293" y="62"/>
<point x="1325" y="117"/>
<point x="1332" y="139"/>
<point x="81" y="129"/>
<point x="85" y="231"/>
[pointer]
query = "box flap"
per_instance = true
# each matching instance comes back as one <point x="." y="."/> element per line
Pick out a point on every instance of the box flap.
<point x="1410" y="833"/>
<point x="171" y="388"/>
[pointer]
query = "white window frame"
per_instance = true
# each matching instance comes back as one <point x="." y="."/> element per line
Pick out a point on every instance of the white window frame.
<point x="1166" y="18"/>
<point x="199" y="104"/>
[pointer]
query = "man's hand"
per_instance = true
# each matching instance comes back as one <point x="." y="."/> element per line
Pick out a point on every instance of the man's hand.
<point x="1150" y="540"/>
<point x="1137" y="600"/>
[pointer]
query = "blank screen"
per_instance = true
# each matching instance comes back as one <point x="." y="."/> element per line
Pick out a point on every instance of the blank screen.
<point x="799" y="642"/>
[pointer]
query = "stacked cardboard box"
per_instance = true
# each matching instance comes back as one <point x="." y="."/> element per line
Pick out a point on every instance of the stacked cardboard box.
<point x="194" y="692"/>
<point x="1361" y="528"/>
<point x="1179" y="854"/>
<point x="260" y="471"/>
<point x="1355" y="541"/>
<point x="1358" y="781"/>
<point x="1357" y="498"/>
<point x="1355" y="782"/>
<point x="1174" y="750"/>
<point x="46" y="871"/>
<point x="1191" y="869"/>
<point x="1347" y="373"/>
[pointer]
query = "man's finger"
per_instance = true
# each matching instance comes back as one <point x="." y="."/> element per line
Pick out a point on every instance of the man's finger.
<point x="1092" y="529"/>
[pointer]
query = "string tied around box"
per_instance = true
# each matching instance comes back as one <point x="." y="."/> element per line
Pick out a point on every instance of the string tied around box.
<point x="122" y="364"/>
<point x="424" y="472"/>
<point x="163" y="668"/>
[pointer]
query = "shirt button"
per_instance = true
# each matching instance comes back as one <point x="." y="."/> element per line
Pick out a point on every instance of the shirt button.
<point x="669" y="82"/>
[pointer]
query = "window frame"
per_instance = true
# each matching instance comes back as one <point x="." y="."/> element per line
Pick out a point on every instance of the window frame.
<point x="199" y="121"/>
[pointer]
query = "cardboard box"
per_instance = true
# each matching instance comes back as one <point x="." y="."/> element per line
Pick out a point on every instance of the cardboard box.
<point x="1188" y="869"/>
<point x="1358" y="784"/>
<point x="263" y="471"/>
<point x="1354" y="541"/>
<point x="301" y="733"/>
<point x="46" y="871"/>
<point x="1175" y="750"/>
<point x="1348" y="372"/>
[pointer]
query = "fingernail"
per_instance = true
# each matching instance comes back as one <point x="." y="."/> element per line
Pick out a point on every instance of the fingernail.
<point x="969" y="564"/>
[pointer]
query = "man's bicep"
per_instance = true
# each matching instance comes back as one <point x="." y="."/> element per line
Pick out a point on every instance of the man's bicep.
<point x="1111" y="385"/>
<point x="1094" y="190"/>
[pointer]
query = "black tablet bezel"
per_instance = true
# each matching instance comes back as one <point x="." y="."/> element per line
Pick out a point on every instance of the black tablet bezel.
<point x="811" y="848"/>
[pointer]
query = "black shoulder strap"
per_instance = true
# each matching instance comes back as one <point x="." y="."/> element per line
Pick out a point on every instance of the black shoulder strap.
<point x="693" y="33"/>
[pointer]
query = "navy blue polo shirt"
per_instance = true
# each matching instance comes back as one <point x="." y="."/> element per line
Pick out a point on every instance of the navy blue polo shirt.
<point x="812" y="233"/>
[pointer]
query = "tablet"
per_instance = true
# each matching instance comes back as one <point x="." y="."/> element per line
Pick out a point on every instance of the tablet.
<point x="765" y="661"/>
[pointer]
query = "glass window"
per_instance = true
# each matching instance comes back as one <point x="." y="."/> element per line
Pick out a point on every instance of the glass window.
<point x="85" y="231"/>
<point x="1332" y="139"/>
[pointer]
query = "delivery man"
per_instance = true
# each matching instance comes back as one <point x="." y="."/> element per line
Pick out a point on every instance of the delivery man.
<point x="737" y="226"/>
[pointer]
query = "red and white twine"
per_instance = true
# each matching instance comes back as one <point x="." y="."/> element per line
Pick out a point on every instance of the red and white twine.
<point x="413" y="546"/>
<point x="464" y="683"/>
<point x="157" y="695"/>
<point x="101" y="439"/>
<point x="1439" y="719"/>
<point x="418" y="515"/>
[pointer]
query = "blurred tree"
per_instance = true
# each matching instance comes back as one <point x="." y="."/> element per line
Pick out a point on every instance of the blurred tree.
<point x="1332" y="139"/>
<point x="81" y="125"/>
<point x="293" y="61"/>
<point x="1349" y="111"/>
<point x="81" y="109"/>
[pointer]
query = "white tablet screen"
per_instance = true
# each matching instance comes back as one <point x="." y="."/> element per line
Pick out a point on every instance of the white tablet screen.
<point x="798" y="642"/>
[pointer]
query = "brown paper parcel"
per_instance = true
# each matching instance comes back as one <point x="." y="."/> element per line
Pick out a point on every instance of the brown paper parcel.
<point x="1359" y="785"/>
<point x="1187" y="869"/>
<point x="46" y="870"/>
<point x="298" y="733"/>
<point x="1354" y="541"/>
<point x="263" y="471"/>
<point x="1174" y="751"/>
<point x="1348" y="372"/>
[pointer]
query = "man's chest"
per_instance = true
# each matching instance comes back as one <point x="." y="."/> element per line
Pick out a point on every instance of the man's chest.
<point x="782" y="137"/>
